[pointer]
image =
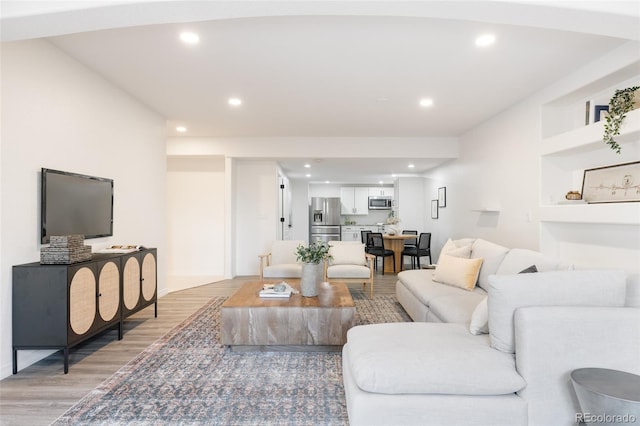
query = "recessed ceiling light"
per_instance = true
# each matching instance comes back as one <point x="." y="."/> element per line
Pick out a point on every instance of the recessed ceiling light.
<point x="411" y="166"/>
<point x="307" y="166"/>
<point x="426" y="102"/>
<point x="485" y="40"/>
<point x="189" y="38"/>
<point x="308" y="175"/>
<point x="380" y="182"/>
<point x="235" y="101"/>
<point x="181" y="129"/>
<point x="326" y="181"/>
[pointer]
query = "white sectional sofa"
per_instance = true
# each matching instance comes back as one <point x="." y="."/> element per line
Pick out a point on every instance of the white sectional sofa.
<point x="496" y="353"/>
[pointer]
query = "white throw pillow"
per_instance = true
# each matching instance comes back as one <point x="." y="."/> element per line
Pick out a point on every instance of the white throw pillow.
<point x="347" y="254"/>
<point x="452" y="248"/>
<point x="493" y="254"/>
<point x="480" y="319"/>
<point x="457" y="271"/>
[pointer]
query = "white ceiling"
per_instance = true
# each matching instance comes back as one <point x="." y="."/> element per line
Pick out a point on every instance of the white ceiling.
<point x="352" y="69"/>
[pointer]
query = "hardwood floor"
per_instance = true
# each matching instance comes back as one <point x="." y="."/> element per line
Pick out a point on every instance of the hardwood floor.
<point x="40" y="393"/>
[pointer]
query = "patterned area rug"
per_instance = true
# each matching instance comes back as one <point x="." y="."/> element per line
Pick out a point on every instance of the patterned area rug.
<point x="188" y="378"/>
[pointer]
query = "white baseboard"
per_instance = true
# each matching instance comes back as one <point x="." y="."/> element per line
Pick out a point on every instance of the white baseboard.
<point x="177" y="283"/>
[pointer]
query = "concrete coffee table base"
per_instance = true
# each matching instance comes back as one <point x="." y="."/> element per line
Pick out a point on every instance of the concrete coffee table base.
<point x="298" y="323"/>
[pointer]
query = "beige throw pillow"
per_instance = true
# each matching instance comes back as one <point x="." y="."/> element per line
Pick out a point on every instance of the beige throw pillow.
<point x="457" y="271"/>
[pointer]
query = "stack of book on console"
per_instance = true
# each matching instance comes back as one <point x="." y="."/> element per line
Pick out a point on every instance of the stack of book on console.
<point x="65" y="249"/>
<point x="281" y="290"/>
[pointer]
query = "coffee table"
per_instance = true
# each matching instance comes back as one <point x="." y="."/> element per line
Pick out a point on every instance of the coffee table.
<point x="297" y="323"/>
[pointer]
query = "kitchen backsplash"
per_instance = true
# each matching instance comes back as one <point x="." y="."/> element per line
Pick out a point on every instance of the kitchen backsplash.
<point x="374" y="217"/>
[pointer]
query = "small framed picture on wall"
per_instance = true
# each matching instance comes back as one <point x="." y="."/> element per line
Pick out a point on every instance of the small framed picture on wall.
<point x="434" y="209"/>
<point x="442" y="197"/>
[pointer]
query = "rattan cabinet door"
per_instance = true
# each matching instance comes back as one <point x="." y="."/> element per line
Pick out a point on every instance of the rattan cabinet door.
<point x="82" y="300"/>
<point x="131" y="282"/>
<point x="108" y="291"/>
<point x="148" y="276"/>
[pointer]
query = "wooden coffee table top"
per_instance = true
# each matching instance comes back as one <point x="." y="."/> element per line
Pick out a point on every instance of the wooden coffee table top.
<point x="330" y="295"/>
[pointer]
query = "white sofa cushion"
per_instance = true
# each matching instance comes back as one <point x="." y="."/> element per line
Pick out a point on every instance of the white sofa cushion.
<point x="457" y="271"/>
<point x="284" y="251"/>
<point x="456" y="308"/>
<point x="507" y="293"/>
<point x="347" y="254"/>
<point x="420" y="284"/>
<point x="480" y="318"/>
<point x="492" y="255"/>
<point x="283" y="270"/>
<point x="428" y="358"/>
<point x="348" y="271"/>
<point x="518" y="259"/>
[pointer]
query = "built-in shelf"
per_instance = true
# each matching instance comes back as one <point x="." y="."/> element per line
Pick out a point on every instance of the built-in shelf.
<point x="605" y="213"/>
<point x="589" y="138"/>
<point x="487" y="210"/>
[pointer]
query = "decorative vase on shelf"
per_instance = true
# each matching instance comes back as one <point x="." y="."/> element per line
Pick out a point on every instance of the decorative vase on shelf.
<point x="310" y="279"/>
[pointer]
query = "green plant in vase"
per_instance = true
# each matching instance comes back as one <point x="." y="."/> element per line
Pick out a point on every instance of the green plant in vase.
<point x="312" y="257"/>
<point x="620" y="104"/>
<point x="313" y="253"/>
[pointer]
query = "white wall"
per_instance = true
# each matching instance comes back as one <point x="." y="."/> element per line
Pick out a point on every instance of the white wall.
<point x="58" y="114"/>
<point x="256" y="219"/>
<point x="195" y="218"/>
<point x="499" y="167"/>
<point x="300" y="210"/>
<point x="411" y="203"/>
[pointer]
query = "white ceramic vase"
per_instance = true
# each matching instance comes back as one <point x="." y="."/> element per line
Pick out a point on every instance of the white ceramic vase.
<point x="392" y="230"/>
<point x="310" y="279"/>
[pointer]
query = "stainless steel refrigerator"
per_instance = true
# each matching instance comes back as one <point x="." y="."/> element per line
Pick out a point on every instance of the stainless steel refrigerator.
<point x="324" y="220"/>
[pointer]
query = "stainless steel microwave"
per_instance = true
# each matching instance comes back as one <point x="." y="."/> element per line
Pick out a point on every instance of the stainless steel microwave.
<point x="380" y="203"/>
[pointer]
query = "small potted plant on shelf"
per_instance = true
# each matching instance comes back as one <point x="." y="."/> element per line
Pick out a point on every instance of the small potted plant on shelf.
<point x="312" y="257"/>
<point x="620" y="104"/>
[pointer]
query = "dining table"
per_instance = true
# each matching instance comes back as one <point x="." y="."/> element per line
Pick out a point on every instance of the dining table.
<point x="396" y="244"/>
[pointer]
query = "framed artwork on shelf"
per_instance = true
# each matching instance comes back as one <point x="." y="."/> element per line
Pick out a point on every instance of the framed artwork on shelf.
<point x="434" y="209"/>
<point x="600" y="112"/>
<point x="442" y="197"/>
<point x="619" y="183"/>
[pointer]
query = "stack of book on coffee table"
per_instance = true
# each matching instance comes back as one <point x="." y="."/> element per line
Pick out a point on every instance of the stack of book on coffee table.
<point x="281" y="290"/>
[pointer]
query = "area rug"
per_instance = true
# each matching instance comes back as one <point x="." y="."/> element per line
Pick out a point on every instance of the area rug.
<point x="189" y="378"/>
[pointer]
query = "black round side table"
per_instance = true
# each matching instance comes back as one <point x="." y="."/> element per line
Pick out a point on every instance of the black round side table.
<point x="607" y="397"/>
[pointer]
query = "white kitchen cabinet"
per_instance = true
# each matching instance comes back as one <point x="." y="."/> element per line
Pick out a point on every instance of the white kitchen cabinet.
<point x="354" y="232"/>
<point x="354" y="200"/>
<point x="380" y="191"/>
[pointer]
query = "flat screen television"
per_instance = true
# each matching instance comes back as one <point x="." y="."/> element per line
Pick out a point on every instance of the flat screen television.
<point x="75" y="204"/>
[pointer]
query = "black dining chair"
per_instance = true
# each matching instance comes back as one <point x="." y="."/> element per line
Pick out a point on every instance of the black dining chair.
<point x="422" y="250"/>
<point x="376" y="248"/>
<point x="364" y="238"/>
<point x="410" y="242"/>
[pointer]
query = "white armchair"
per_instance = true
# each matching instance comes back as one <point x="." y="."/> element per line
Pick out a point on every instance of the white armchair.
<point x="281" y="262"/>
<point x="349" y="263"/>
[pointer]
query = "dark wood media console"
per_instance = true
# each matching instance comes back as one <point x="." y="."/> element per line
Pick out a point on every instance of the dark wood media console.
<point x="59" y="306"/>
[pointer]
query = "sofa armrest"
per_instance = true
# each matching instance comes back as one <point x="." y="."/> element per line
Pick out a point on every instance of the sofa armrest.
<point x="265" y="260"/>
<point x="553" y="341"/>
<point x="370" y="259"/>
